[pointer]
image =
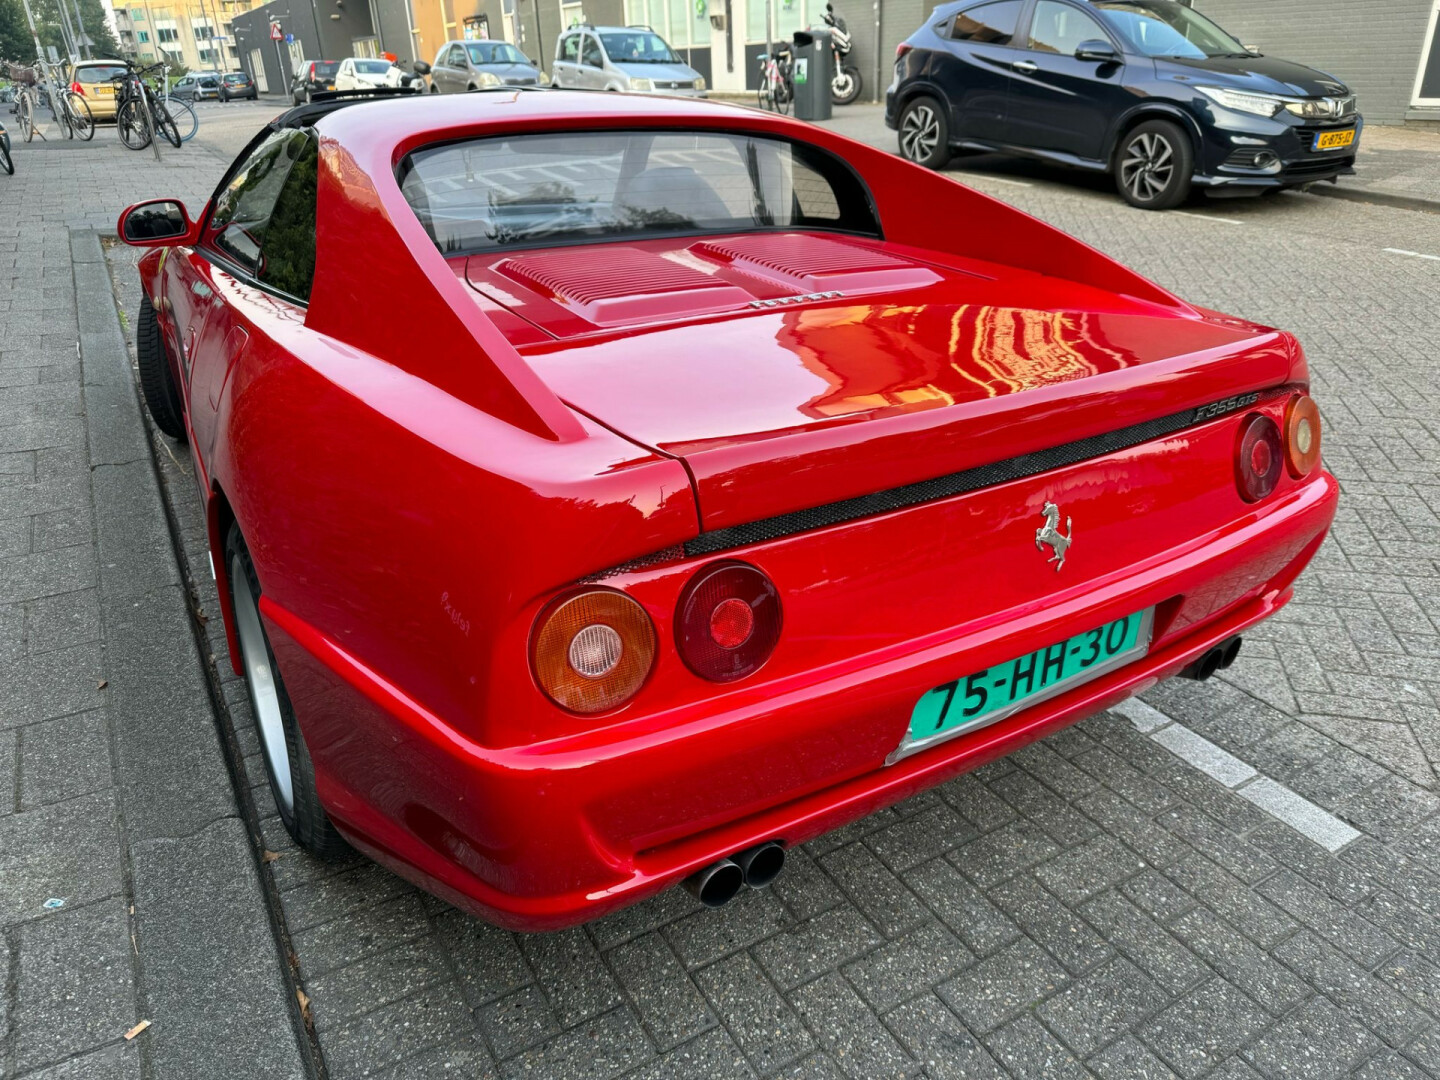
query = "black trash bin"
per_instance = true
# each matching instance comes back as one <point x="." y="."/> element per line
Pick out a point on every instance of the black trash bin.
<point x="811" y="72"/>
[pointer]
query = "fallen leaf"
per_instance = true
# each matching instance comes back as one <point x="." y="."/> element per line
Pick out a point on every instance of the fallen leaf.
<point x="141" y="1026"/>
<point x="304" y="1004"/>
<point x="269" y="856"/>
<point x="102" y="684"/>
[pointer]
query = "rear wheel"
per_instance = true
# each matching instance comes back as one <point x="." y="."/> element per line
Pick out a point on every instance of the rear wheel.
<point x="25" y="112"/>
<point x="186" y="122"/>
<point x="1153" y="165"/>
<point x="166" y="123"/>
<point x="157" y="383"/>
<point x="924" y="133"/>
<point x="80" y="117"/>
<point x="6" y="164"/>
<point x="846" y="85"/>
<point x="287" y="758"/>
<point x="133" y="126"/>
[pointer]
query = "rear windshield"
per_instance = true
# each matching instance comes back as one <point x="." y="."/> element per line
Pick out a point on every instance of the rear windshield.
<point x="325" y="69"/>
<point x="98" y="73"/>
<point x="236" y="78"/>
<point x="372" y="67"/>
<point x="534" y="190"/>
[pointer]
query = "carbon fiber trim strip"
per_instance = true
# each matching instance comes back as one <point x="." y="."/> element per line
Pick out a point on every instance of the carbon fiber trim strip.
<point x="958" y="483"/>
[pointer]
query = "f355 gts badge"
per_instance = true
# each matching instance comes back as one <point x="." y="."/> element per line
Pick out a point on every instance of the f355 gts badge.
<point x="1050" y="533"/>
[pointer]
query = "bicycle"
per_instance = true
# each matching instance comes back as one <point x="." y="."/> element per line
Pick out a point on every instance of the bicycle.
<point x="71" y="110"/>
<point x="140" y="112"/>
<point x="776" y="91"/>
<point x="7" y="163"/>
<point x="187" y="120"/>
<point x="25" y="114"/>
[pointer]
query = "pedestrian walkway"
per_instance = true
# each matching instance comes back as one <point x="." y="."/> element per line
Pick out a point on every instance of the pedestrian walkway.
<point x="1398" y="166"/>
<point x="136" y="936"/>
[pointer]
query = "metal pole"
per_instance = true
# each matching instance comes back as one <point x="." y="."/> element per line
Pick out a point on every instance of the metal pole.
<point x="769" y="44"/>
<point x="68" y="32"/>
<point x="879" y="48"/>
<point x="84" y="37"/>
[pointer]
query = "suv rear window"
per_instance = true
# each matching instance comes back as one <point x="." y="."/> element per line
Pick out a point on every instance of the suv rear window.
<point x="540" y="190"/>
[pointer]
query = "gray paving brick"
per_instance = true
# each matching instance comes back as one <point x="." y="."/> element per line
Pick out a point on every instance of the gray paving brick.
<point x="74" y="985"/>
<point x="62" y="759"/>
<point x="1059" y="929"/>
<point x="976" y="803"/>
<point x="1003" y="853"/>
<point x="902" y="968"/>
<point x="657" y="911"/>
<point x="707" y="935"/>
<point x="1144" y="942"/>
<point x="1388" y="1066"/>
<point x="572" y="974"/>
<point x="384" y="1038"/>
<point x="67" y="851"/>
<point x="1316" y="1040"/>
<point x="1141" y="791"/>
<point x="1157" y="896"/>
<point x="1202" y="1028"/>
<point x="670" y="1006"/>
<point x="1038" y="804"/>
<point x="330" y="898"/>
<point x="937" y="1039"/>
<point x="1099" y="1008"/>
<point x="467" y="1059"/>
<point x="1027" y="1049"/>
<point x="44" y="573"/>
<point x="1094" y="866"/>
<point x="1414" y="976"/>
<point x="116" y="1062"/>
<point x="920" y="837"/>
<point x="376" y="980"/>
<point x="1364" y="997"/>
<point x="1240" y="961"/>
<point x="761" y="1021"/>
<point x="54" y="684"/>
<point x="1252" y="914"/>
<point x="487" y="960"/>
<point x="1137" y="829"/>
<point x="847" y="1028"/>
<point x="517" y="1020"/>
<point x="816" y="946"/>
<point x="602" y="1047"/>
<point x="712" y="1056"/>
<point x="999" y="987"/>
<point x="62" y="621"/>
<point x="1126" y="1059"/>
<point x="884" y="899"/>
<point x="1245" y="860"/>
<point x="1341" y="927"/>
<point x="343" y="942"/>
<point x="804" y="888"/>
<point x="962" y="907"/>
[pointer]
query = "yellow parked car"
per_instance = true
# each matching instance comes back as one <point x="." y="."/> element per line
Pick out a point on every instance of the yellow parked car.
<point x="92" y="79"/>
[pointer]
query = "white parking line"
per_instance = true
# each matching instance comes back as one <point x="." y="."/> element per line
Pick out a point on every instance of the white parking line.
<point x="1274" y="798"/>
<point x="997" y="179"/>
<point x="1412" y="254"/>
<point x="1208" y="217"/>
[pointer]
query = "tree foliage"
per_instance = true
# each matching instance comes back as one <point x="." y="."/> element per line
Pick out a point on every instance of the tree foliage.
<point x="17" y="45"/>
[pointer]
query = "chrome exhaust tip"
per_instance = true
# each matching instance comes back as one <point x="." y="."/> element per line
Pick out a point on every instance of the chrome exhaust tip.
<point x="761" y="864"/>
<point x="717" y="884"/>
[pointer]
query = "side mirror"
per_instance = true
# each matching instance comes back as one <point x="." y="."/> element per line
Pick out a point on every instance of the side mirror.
<point x="156" y="223"/>
<point x="1101" y="52"/>
<point x="421" y="67"/>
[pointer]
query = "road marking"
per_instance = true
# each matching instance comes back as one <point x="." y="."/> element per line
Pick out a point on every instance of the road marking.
<point x="1277" y="800"/>
<point x="1208" y="217"/>
<point x="998" y="179"/>
<point x="1412" y="254"/>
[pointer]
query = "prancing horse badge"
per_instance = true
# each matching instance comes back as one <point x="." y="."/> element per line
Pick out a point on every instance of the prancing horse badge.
<point x="1050" y="534"/>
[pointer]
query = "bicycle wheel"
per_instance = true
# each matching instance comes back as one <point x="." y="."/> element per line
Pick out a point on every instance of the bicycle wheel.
<point x="80" y="117"/>
<point x="26" y="112"/>
<point x="61" y="114"/>
<point x="165" y="122"/>
<point x="186" y="122"/>
<point x="134" y="128"/>
<point x="6" y="162"/>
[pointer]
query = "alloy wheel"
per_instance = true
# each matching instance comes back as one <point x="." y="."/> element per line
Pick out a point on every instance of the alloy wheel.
<point x="264" y="694"/>
<point x="920" y="133"/>
<point x="1147" y="167"/>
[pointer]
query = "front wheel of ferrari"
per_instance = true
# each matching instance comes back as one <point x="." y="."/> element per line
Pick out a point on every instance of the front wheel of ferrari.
<point x="287" y="758"/>
<point x="1153" y="166"/>
<point x="924" y="133"/>
<point x="157" y="383"/>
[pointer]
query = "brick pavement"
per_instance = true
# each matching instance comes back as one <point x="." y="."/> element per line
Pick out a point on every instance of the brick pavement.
<point x="1090" y="906"/>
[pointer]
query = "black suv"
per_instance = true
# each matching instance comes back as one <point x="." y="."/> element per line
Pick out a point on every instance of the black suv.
<point x="1148" y="90"/>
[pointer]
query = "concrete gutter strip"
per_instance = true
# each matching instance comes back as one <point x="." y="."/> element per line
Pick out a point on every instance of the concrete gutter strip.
<point x="209" y="975"/>
<point x="1377" y="198"/>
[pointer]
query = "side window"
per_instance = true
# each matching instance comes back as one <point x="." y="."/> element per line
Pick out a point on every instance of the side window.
<point x="988" y="24"/>
<point x="456" y="58"/>
<point x="264" y="218"/>
<point x="590" y="53"/>
<point x="1060" y="28"/>
<point x="570" y="49"/>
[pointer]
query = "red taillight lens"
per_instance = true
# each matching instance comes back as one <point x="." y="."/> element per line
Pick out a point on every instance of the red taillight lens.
<point x="902" y="49"/>
<point x="75" y="86"/>
<point x="728" y="621"/>
<point x="1302" y="435"/>
<point x="1259" y="457"/>
<point x="592" y="651"/>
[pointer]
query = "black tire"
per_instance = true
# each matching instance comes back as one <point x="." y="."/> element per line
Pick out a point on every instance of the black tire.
<point x="134" y="129"/>
<point x="7" y="164"/>
<point x="81" y="117"/>
<point x="157" y="384"/>
<point x="1153" y="165"/>
<point x="852" y="87"/>
<point x="304" y="818"/>
<point x="166" y="123"/>
<point x="924" y="133"/>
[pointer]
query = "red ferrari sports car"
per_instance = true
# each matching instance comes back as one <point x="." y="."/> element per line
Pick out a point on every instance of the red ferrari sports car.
<point x="611" y="491"/>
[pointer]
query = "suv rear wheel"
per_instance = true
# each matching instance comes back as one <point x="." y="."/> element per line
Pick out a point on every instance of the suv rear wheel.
<point x="925" y="133"/>
<point x="1153" y="165"/>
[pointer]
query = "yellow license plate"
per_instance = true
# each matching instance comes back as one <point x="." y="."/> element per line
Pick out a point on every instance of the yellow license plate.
<point x="104" y="91"/>
<point x="1334" y="140"/>
<point x="329" y="86"/>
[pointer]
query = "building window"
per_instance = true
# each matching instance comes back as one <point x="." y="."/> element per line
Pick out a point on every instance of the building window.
<point x="572" y="14"/>
<point x="207" y="56"/>
<point x="137" y="15"/>
<point x="143" y="36"/>
<point x="168" y="35"/>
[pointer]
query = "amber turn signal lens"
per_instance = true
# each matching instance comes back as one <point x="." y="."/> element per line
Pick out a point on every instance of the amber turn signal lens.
<point x="593" y="650"/>
<point x="1302" y="435"/>
<point x="1258" y="456"/>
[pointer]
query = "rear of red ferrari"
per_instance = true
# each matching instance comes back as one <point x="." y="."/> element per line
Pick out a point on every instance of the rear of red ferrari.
<point x="943" y="506"/>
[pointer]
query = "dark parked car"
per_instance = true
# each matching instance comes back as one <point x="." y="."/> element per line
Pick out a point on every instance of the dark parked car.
<point x="313" y="77"/>
<point x="1148" y="90"/>
<point x="238" y="85"/>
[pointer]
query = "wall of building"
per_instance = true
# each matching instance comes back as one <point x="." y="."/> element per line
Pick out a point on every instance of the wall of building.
<point x="317" y="35"/>
<point x="1374" y="48"/>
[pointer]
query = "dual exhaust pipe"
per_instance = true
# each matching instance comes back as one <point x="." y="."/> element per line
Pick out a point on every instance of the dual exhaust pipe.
<point x="721" y="881"/>
<point x="1212" y="660"/>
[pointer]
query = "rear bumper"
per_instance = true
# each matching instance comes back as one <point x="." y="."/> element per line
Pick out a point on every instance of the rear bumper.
<point x="550" y="834"/>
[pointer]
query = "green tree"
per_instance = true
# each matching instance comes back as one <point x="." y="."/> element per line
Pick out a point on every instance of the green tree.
<point x="15" y="43"/>
<point x="47" y="22"/>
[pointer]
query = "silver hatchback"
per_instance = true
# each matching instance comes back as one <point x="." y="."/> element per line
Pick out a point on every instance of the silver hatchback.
<point x="632" y="58"/>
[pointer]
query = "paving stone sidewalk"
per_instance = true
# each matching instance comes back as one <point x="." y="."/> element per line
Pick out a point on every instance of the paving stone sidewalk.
<point x="1092" y="906"/>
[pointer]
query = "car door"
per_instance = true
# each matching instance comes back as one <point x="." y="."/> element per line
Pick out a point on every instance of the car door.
<point x="258" y="245"/>
<point x="974" y="73"/>
<point x="1057" y="101"/>
<point x="566" y="70"/>
<point x="592" y="63"/>
<point x="453" y="73"/>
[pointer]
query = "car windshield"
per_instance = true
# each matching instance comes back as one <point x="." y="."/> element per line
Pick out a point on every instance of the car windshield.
<point x="638" y="47"/>
<point x="98" y="73"/>
<point x="325" y="69"/>
<point x="494" y="52"/>
<point x="1164" y="28"/>
<point x="372" y="67"/>
<point x="535" y="190"/>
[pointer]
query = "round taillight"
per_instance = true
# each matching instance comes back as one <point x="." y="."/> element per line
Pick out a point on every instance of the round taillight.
<point x="1258" y="457"/>
<point x="728" y="621"/>
<point x="593" y="650"/>
<point x="1302" y="435"/>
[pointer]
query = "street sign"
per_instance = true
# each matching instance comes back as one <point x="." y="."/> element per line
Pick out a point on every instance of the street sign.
<point x="275" y="33"/>
<point x="289" y="39"/>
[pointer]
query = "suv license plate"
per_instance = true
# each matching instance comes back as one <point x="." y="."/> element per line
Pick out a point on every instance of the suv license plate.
<point x="1334" y="140"/>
